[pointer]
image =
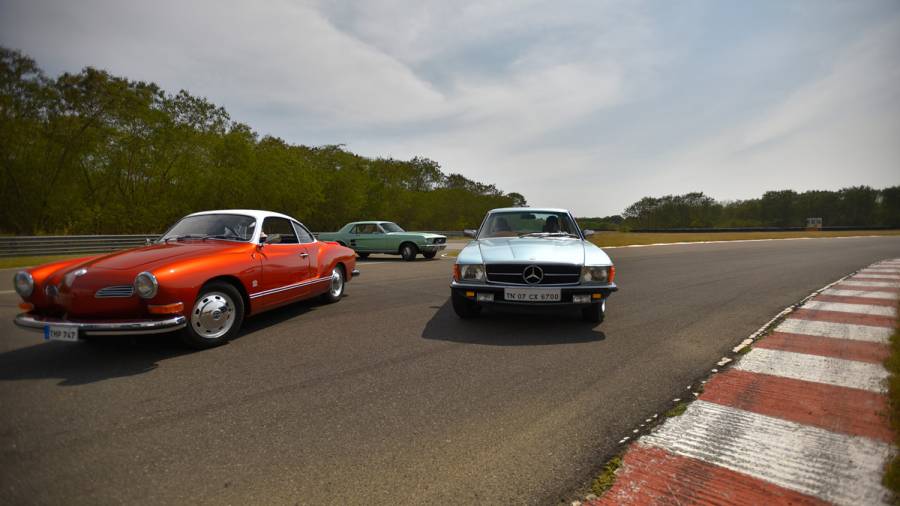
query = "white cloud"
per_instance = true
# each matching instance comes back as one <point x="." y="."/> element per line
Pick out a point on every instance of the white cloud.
<point x="585" y="104"/>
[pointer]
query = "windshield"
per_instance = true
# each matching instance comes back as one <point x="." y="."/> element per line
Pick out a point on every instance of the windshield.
<point x="235" y="227"/>
<point x="391" y="227"/>
<point x="535" y="224"/>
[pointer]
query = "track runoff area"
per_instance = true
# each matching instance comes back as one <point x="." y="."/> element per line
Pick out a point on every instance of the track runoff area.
<point x="800" y="419"/>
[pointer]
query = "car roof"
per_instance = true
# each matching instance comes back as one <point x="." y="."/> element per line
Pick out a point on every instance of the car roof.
<point x="255" y="213"/>
<point x="368" y="222"/>
<point x="530" y="210"/>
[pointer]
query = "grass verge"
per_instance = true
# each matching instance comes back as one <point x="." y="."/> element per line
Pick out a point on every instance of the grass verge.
<point x="607" y="477"/>
<point x="677" y="410"/>
<point x="891" y="478"/>
<point x="608" y="239"/>
<point x="11" y="262"/>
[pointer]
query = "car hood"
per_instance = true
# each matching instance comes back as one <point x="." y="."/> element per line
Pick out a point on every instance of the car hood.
<point x="416" y="234"/>
<point x="152" y="256"/>
<point x="560" y="250"/>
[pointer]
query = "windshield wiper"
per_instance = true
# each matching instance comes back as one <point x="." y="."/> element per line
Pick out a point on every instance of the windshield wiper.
<point x="185" y="236"/>
<point x="548" y="234"/>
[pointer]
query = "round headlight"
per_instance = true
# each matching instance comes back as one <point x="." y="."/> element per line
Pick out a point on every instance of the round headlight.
<point x="473" y="272"/>
<point x="145" y="285"/>
<point x="24" y="283"/>
<point x="595" y="274"/>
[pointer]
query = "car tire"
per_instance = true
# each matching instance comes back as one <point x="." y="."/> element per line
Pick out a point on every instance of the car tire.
<point x="336" y="286"/>
<point x="215" y="317"/>
<point x="429" y="254"/>
<point x="409" y="251"/>
<point x="595" y="313"/>
<point x="362" y="255"/>
<point x="464" y="307"/>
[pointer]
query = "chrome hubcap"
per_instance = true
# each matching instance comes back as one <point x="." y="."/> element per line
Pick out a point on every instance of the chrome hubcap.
<point x="213" y="315"/>
<point x="337" y="283"/>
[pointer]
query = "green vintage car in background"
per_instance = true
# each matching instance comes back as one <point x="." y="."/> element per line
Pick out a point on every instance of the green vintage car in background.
<point x="368" y="237"/>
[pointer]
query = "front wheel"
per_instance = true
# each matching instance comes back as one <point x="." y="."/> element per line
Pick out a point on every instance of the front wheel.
<point x="408" y="252"/>
<point x="429" y="254"/>
<point x="336" y="288"/>
<point x="215" y="318"/>
<point x="595" y="313"/>
<point x="464" y="307"/>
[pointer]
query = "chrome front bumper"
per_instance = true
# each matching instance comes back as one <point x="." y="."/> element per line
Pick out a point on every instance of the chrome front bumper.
<point x="566" y="293"/>
<point x="354" y="273"/>
<point x="433" y="247"/>
<point x="97" y="328"/>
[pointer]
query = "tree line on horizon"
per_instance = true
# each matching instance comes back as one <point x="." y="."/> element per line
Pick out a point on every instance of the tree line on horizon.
<point x="858" y="206"/>
<point x="93" y="153"/>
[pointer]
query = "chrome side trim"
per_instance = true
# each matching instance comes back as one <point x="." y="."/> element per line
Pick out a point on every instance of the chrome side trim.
<point x="115" y="291"/>
<point x="37" y="323"/>
<point x="289" y="287"/>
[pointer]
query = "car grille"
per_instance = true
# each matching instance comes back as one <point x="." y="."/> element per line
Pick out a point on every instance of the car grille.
<point x="554" y="274"/>
<point x="115" y="291"/>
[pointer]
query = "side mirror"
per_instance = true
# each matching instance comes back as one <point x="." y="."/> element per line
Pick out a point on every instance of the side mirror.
<point x="263" y="238"/>
<point x="469" y="232"/>
<point x="587" y="232"/>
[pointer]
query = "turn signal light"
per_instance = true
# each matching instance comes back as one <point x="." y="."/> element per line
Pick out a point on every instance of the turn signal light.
<point x="456" y="274"/>
<point x="26" y="306"/>
<point x="612" y="273"/>
<point x="166" y="308"/>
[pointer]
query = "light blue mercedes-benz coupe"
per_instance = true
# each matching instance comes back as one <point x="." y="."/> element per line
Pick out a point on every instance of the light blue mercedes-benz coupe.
<point x="532" y="257"/>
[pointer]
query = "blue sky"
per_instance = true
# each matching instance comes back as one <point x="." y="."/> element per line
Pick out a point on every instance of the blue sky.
<point x="589" y="105"/>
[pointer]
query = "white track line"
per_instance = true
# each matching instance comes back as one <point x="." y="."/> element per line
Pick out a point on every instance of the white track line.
<point x="834" y="467"/>
<point x="859" y="293"/>
<point x="865" y="309"/>
<point x="683" y="243"/>
<point x="875" y="276"/>
<point x="815" y="368"/>
<point x="874" y="284"/>
<point x="836" y="330"/>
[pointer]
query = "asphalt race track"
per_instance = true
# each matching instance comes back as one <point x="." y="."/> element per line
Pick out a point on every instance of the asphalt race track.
<point x="386" y="397"/>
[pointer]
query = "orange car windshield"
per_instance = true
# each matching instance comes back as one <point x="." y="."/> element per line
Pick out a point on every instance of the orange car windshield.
<point x="232" y="227"/>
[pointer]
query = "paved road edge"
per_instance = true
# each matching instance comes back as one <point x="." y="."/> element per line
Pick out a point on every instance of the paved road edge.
<point x="801" y="418"/>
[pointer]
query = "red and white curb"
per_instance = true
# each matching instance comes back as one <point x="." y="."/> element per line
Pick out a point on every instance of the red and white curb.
<point x="800" y="419"/>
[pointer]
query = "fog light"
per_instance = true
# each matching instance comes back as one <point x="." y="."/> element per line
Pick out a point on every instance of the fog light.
<point x="596" y="296"/>
<point x="470" y="294"/>
<point x="581" y="299"/>
<point x="485" y="297"/>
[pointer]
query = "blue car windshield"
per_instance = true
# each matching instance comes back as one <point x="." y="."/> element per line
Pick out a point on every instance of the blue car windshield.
<point x="537" y="224"/>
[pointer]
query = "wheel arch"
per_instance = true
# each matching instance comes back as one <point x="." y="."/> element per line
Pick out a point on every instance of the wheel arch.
<point x="234" y="281"/>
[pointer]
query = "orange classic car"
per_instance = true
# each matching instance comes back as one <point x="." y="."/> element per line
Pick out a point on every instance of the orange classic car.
<point x="202" y="277"/>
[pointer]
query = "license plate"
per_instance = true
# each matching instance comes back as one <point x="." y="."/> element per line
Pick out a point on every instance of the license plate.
<point x="60" y="333"/>
<point x="532" y="294"/>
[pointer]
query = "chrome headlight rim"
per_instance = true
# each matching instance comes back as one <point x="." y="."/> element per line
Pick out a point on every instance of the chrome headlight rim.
<point x="477" y="270"/>
<point x="595" y="274"/>
<point x="146" y="285"/>
<point x="23" y="282"/>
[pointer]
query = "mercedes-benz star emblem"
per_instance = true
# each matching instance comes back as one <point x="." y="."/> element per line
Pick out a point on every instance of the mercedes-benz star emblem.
<point x="533" y="274"/>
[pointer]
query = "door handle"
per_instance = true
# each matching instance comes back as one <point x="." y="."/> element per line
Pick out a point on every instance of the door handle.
<point x="304" y="255"/>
